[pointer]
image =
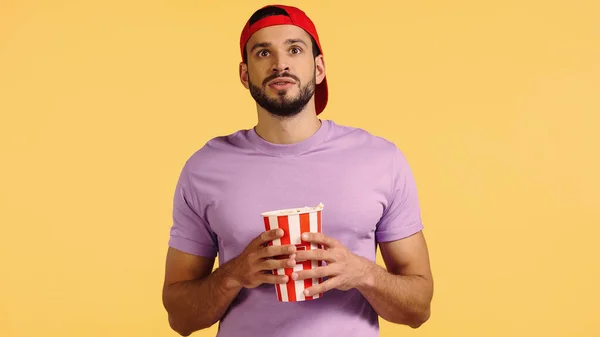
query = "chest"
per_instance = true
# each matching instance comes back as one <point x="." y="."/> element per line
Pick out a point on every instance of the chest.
<point x="352" y="192"/>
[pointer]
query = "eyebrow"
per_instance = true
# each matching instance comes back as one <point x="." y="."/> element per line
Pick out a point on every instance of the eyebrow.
<point x="268" y="44"/>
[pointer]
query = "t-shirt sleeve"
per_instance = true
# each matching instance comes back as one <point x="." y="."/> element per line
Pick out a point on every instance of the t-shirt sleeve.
<point x="190" y="231"/>
<point x="402" y="216"/>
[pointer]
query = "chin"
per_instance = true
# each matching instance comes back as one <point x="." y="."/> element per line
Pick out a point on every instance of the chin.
<point x="281" y="92"/>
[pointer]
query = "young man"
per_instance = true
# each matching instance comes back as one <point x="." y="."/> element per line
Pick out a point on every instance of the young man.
<point x="291" y="158"/>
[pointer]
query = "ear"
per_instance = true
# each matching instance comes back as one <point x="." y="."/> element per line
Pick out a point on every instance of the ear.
<point x="319" y="69"/>
<point x="244" y="74"/>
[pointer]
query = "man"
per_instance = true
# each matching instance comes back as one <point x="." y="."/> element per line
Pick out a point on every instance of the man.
<point x="291" y="158"/>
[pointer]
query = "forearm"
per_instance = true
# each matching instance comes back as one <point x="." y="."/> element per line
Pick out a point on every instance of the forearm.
<point x="198" y="304"/>
<point x="397" y="298"/>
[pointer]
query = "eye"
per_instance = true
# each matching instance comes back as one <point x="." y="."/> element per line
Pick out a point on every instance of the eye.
<point x="263" y="53"/>
<point x="296" y="50"/>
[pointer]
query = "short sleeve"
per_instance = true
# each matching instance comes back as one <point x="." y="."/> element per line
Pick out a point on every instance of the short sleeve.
<point x="402" y="216"/>
<point x="190" y="232"/>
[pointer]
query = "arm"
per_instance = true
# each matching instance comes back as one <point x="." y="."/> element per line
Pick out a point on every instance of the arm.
<point x="194" y="296"/>
<point x="196" y="299"/>
<point x="401" y="294"/>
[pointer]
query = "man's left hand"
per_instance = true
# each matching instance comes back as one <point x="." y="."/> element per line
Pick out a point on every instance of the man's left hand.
<point x="344" y="269"/>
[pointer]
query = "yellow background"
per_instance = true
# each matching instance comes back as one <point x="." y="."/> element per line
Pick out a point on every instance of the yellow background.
<point x="495" y="104"/>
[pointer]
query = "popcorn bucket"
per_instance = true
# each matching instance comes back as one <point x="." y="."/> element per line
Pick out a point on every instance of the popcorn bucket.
<point x="294" y="222"/>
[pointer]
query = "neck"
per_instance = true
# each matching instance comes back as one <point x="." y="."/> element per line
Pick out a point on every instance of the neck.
<point x="287" y="130"/>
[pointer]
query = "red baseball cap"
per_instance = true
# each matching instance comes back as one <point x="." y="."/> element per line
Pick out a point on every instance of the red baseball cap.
<point x="294" y="17"/>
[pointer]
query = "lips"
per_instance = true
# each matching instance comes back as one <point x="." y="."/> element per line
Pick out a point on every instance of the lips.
<point x="281" y="81"/>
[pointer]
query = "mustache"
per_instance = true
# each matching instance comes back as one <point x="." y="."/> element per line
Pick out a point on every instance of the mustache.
<point x="274" y="76"/>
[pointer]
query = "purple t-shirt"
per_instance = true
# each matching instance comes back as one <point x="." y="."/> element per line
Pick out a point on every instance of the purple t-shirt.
<point x="368" y="192"/>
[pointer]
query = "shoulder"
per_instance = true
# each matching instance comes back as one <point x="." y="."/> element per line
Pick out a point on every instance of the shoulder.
<point x="216" y="151"/>
<point x="375" y="150"/>
<point x="362" y="140"/>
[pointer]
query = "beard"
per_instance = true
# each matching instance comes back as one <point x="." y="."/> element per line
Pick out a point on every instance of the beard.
<point x="282" y="106"/>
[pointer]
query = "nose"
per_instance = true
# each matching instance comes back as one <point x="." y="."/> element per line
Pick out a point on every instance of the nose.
<point x="280" y="64"/>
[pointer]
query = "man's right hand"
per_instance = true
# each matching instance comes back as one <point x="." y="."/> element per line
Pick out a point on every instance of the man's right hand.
<point x="248" y="270"/>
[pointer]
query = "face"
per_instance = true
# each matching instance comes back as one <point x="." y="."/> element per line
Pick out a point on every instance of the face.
<point x="281" y="72"/>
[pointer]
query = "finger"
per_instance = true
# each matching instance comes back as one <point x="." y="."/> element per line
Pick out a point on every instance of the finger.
<point x="270" y="264"/>
<point x="315" y="254"/>
<point x="321" y="288"/>
<point x="276" y="251"/>
<point x="274" y="279"/>
<point x="320" y="238"/>
<point x="268" y="236"/>
<point x="318" y="272"/>
<point x="281" y="257"/>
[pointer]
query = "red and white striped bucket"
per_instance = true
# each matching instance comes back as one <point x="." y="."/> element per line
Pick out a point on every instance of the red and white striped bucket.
<point x="294" y="222"/>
